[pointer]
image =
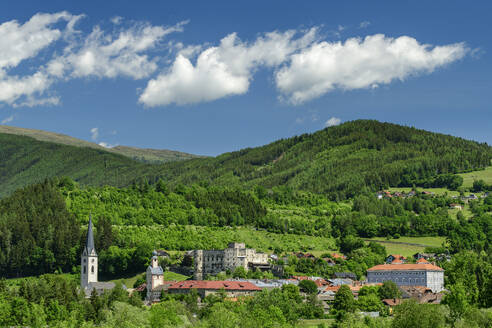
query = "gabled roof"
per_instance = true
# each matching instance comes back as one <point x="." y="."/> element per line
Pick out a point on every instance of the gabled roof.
<point x="216" y="285"/>
<point x="422" y="261"/>
<point x="405" y="267"/>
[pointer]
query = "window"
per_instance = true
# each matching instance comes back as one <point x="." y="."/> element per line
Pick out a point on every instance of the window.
<point x="85" y="270"/>
<point x="92" y="260"/>
<point x="92" y="269"/>
<point x="85" y="260"/>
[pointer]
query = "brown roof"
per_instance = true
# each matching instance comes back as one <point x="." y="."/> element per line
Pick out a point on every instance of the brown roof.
<point x="422" y="261"/>
<point x="404" y="267"/>
<point x="392" y="301"/>
<point x="207" y="284"/>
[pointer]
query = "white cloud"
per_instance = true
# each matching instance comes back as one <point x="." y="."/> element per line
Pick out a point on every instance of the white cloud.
<point x="333" y="121"/>
<point x="13" y="87"/>
<point x="110" y="55"/>
<point x="106" y="145"/>
<point x="223" y="70"/>
<point x="364" y="24"/>
<point x="359" y="63"/>
<point x="94" y="133"/>
<point x="8" y="119"/>
<point x="19" y="42"/>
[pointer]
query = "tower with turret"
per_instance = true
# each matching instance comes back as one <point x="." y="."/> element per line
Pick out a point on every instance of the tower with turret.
<point x="88" y="262"/>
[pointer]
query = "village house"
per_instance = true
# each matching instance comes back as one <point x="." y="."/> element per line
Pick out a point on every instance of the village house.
<point x="395" y="259"/>
<point x="420" y="274"/>
<point x="212" y="262"/>
<point x="232" y="289"/>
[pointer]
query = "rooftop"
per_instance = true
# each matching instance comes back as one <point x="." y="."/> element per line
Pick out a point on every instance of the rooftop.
<point x="405" y="267"/>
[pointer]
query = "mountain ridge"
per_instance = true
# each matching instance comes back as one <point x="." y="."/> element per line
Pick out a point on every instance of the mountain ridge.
<point x="146" y="155"/>
<point x="338" y="161"/>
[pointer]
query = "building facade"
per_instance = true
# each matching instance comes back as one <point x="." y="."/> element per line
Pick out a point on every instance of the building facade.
<point x="154" y="279"/>
<point x="420" y="274"/>
<point x="212" y="262"/>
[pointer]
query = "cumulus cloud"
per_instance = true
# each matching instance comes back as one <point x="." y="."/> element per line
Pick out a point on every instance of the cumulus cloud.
<point x="359" y="63"/>
<point x="99" y="54"/>
<point x="110" y="55"/>
<point x="19" y="42"/>
<point x="8" y="119"/>
<point x="94" y="133"/>
<point x="223" y="70"/>
<point x="333" y="121"/>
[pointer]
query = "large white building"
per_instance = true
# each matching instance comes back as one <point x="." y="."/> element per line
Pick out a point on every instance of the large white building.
<point x="212" y="262"/>
<point x="420" y="274"/>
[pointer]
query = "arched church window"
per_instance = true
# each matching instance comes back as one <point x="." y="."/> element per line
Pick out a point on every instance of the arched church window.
<point x="92" y="269"/>
<point x="85" y="270"/>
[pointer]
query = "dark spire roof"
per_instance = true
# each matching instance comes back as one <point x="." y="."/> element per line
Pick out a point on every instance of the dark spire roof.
<point x="89" y="244"/>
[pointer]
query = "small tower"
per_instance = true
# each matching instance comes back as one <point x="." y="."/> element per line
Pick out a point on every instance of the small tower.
<point x="88" y="263"/>
<point x="155" y="278"/>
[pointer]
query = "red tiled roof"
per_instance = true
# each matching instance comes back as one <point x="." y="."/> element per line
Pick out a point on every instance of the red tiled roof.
<point x="422" y="260"/>
<point x="404" y="267"/>
<point x="397" y="261"/>
<point x="207" y="284"/>
<point x="338" y="256"/>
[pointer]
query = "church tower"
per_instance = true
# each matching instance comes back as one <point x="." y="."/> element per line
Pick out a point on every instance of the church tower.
<point x="88" y="263"/>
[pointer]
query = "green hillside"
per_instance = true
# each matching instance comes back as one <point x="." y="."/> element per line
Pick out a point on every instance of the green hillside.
<point x="139" y="154"/>
<point x="24" y="161"/>
<point x="339" y="161"/>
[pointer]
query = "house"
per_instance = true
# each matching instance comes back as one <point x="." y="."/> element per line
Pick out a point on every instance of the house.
<point x="422" y="295"/>
<point x="455" y="206"/>
<point x="162" y="253"/>
<point x="338" y="256"/>
<point x="302" y="255"/>
<point x="396" y="259"/>
<point x="345" y="275"/>
<point x="422" y="274"/>
<point x="204" y="288"/>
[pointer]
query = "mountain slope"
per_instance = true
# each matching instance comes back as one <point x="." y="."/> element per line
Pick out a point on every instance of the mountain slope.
<point x="143" y="155"/>
<point x="339" y="160"/>
<point x="24" y="160"/>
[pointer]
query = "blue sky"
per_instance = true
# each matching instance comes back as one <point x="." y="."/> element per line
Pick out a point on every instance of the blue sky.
<point x="216" y="76"/>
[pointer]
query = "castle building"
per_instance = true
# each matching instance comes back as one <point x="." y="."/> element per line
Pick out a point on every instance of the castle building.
<point x="212" y="262"/>
<point x="89" y="267"/>
<point x="420" y="274"/>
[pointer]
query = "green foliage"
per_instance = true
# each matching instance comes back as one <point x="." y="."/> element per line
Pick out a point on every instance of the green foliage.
<point x="344" y="300"/>
<point x="410" y="314"/>
<point x="308" y="286"/>
<point x="37" y="233"/>
<point x="389" y="290"/>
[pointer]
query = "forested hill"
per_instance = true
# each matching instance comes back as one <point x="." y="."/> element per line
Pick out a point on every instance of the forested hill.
<point x="339" y="160"/>
<point x="145" y="155"/>
<point x="24" y="161"/>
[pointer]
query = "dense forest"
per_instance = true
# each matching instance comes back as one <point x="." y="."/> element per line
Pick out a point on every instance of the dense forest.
<point x="338" y="161"/>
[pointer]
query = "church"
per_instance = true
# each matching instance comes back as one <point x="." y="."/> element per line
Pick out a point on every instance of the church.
<point x="89" y="267"/>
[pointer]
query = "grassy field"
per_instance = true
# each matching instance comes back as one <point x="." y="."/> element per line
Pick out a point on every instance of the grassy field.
<point x="437" y="191"/>
<point x="313" y="323"/>
<point x="407" y="249"/>
<point x="168" y="276"/>
<point x="485" y="175"/>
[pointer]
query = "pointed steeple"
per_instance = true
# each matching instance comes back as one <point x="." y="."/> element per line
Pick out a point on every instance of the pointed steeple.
<point x="89" y="244"/>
